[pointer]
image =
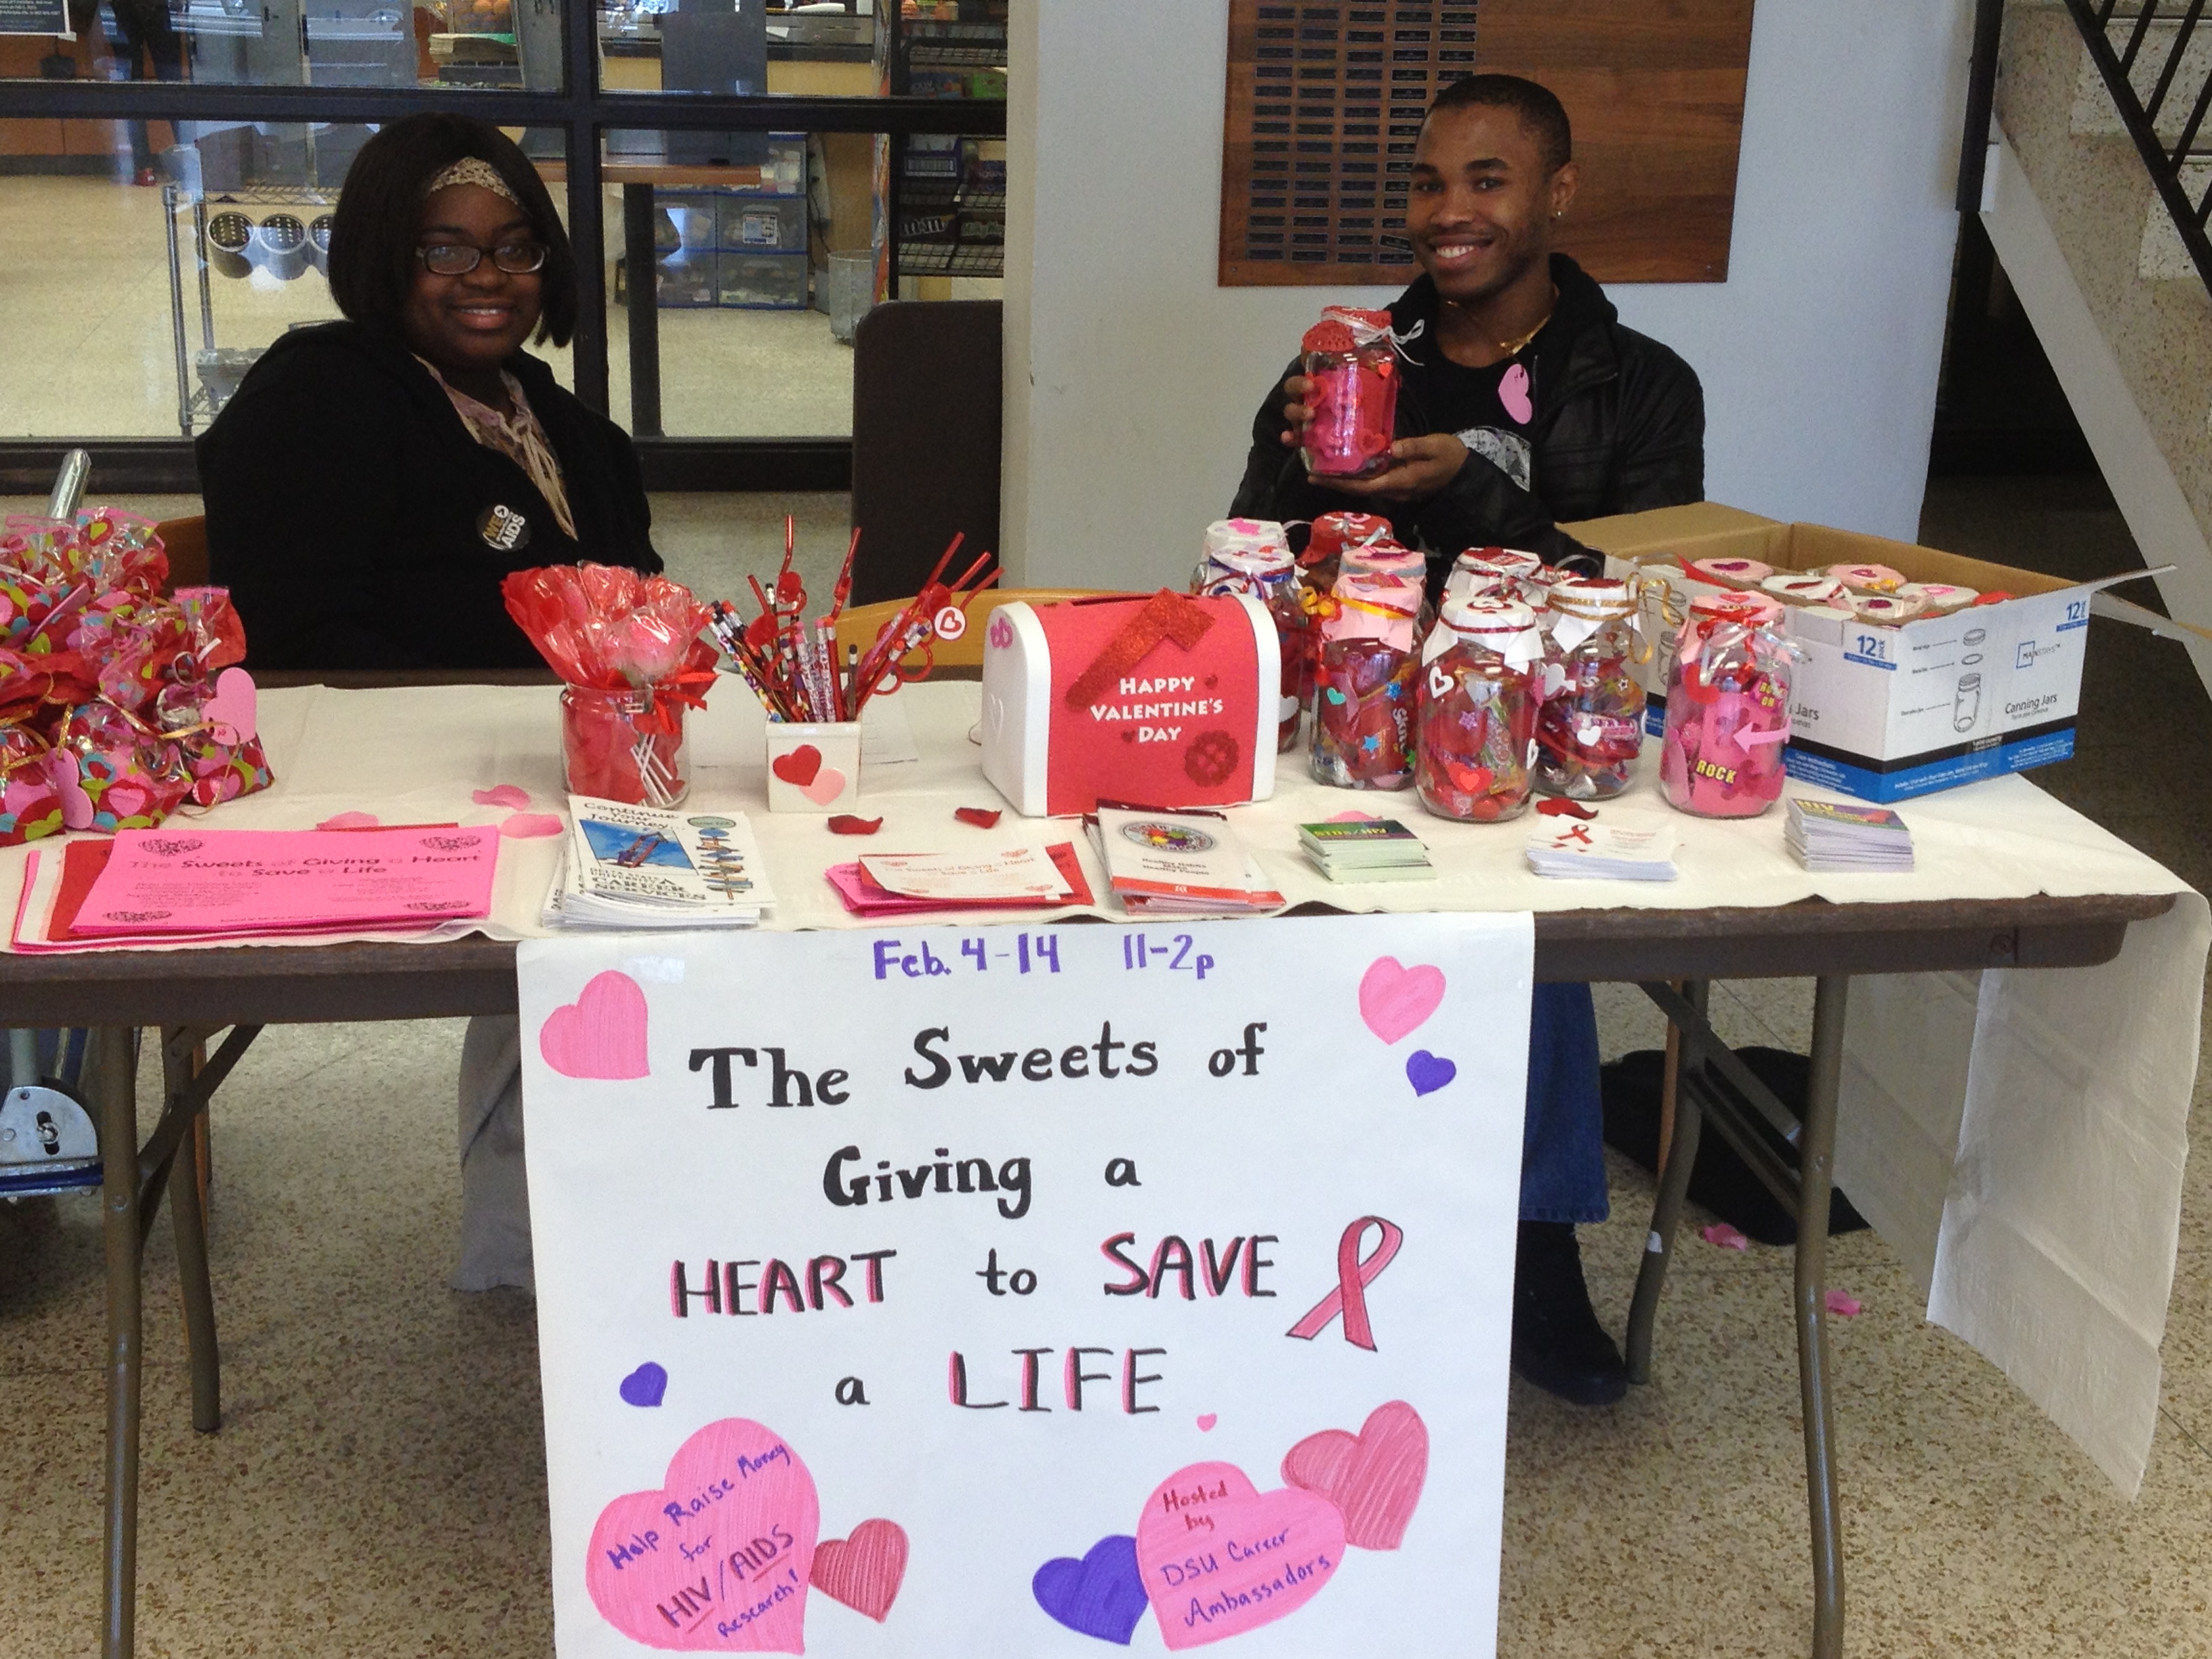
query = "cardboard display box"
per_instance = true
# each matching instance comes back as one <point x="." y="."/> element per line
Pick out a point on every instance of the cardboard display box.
<point x="1884" y="713"/>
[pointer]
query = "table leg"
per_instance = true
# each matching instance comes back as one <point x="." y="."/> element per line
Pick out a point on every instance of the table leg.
<point x="1678" y="1156"/>
<point x="640" y="261"/>
<point x="180" y="1064"/>
<point x="113" y="1063"/>
<point x="1816" y="1150"/>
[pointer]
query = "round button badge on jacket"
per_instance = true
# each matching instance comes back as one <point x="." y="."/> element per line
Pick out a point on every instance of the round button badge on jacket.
<point x="503" y="529"/>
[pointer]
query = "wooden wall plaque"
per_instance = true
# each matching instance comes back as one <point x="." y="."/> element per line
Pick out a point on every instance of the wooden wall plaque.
<point x="1325" y="98"/>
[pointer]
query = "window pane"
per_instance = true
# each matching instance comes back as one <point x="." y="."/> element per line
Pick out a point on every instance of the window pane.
<point x="862" y="49"/>
<point x="134" y="311"/>
<point x="289" y="43"/>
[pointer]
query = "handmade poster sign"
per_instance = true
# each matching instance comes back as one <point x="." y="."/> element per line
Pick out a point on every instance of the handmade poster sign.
<point x="1028" y="1290"/>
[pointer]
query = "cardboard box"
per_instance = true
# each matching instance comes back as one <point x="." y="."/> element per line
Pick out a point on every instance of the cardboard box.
<point x="1885" y="712"/>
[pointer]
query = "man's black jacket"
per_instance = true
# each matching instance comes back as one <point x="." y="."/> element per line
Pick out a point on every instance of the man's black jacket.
<point x="345" y="500"/>
<point x="1620" y="426"/>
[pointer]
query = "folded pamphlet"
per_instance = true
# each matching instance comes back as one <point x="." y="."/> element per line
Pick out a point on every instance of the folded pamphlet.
<point x="626" y="866"/>
<point x="1585" y="850"/>
<point x="1178" y="863"/>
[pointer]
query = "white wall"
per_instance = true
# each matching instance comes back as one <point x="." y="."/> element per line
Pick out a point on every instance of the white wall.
<point x="1132" y="378"/>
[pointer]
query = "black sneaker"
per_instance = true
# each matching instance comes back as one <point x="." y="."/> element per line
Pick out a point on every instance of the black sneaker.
<point x="1558" y="1343"/>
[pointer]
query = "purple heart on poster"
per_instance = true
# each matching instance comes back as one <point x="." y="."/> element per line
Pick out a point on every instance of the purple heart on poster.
<point x="1429" y="1072"/>
<point x="1101" y="1595"/>
<point x="645" y="1386"/>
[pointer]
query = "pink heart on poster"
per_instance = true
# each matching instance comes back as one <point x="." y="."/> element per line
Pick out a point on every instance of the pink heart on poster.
<point x="798" y="767"/>
<point x="826" y="785"/>
<point x="1513" y="392"/>
<point x="718" y="1560"/>
<point x="529" y="826"/>
<point x="601" y="1034"/>
<point x="863" y="1572"/>
<point x="503" y="794"/>
<point x="233" y="708"/>
<point x="349" y="821"/>
<point x="1373" y="1477"/>
<point x="1394" y="1000"/>
<point x="1218" y="1556"/>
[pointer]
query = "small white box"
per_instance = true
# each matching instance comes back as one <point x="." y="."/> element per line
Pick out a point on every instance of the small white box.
<point x="813" y="766"/>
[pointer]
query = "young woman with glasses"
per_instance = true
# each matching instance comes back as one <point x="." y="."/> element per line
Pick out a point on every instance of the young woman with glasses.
<point x="373" y="481"/>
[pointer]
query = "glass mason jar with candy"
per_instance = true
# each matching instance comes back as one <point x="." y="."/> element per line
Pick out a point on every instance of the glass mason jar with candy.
<point x="625" y="745"/>
<point x="1318" y="566"/>
<point x="1250" y="556"/>
<point x="1478" y="710"/>
<point x="1362" y="727"/>
<point x="1590" y="728"/>
<point x="1728" y="707"/>
<point x="1351" y="361"/>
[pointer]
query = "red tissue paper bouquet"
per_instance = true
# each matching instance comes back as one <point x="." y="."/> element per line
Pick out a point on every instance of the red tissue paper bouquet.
<point x="116" y="706"/>
<point x="629" y="647"/>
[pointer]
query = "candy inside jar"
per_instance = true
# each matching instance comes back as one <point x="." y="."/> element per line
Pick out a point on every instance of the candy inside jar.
<point x="1363" y="725"/>
<point x="1590" y="728"/>
<point x="625" y="745"/>
<point x="1350" y="358"/>
<point x="1478" y="710"/>
<point x="1727" y="708"/>
<point x="1250" y="556"/>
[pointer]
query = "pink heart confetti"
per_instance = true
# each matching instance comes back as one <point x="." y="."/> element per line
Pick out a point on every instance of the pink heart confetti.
<point x="1843" y="1304"/>
<point x="1726" y="1236"/>
<point x="529" y="826"/>
<point x="503" y="794"/>
<point x="349" y="821"/>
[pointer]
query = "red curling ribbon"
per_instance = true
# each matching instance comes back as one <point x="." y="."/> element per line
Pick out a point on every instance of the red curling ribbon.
<point x="1353" y="1276"/>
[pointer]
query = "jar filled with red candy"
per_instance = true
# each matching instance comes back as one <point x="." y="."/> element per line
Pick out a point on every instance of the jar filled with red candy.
<point x="1250" y="555"/>
<point x="1590" y="728"/>
<point x="1363" y="728"/>
<point x="1351" y="362"/>
<point x="625" y="745"/>
<point x="1728" y="707"/>
<point x="1318" y="566"/>
<point x="1478" y="710"/>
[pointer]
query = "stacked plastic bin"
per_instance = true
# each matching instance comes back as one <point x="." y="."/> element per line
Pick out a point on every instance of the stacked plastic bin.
<point x="740" y="246"/>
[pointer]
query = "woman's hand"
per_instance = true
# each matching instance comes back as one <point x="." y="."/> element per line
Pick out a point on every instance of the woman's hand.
<point x="1419" y="468"/>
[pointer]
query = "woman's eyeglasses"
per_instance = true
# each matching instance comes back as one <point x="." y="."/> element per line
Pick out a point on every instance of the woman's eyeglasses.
<point x="459" y="259"/>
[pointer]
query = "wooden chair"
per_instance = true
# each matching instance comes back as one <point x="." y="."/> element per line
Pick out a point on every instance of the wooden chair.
<point x="186" y="542"/>
<point x="859" y="626"/>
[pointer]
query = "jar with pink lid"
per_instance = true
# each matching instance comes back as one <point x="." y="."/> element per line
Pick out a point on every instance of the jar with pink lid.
<point x="1363" y="725"/>
<point x="1478" y="710"/>
<point x="1728" y="707"/>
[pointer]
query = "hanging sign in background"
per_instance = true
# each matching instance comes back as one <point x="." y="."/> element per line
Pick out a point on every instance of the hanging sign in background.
<point x="1020" y="1290"/>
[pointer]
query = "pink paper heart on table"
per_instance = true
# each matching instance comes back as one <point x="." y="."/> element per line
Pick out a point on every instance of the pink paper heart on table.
<point x="1218" y="1556"/>
<point x="1373" y="1477"/>
<point x="738" y="1500"/>
<point x="1394" y="1000"/>
<point x="503" y="794"/>
<point x="825" y="786"/>
<point x="349" y="821"/>
<point x="1513" y="393"/>
<point x="528" y="826"/>
<point x="864" y="1572"/>
<point x="601" y="1034"/>
<point x="1353" y="816"/>
<point x="233" y="708"/>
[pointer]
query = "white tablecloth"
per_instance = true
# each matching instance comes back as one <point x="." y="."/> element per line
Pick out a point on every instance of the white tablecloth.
<point x="2017" y="1135"/>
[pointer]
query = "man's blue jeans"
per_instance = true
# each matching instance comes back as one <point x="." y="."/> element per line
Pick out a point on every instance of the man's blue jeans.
<point x="1562" y="1146"/>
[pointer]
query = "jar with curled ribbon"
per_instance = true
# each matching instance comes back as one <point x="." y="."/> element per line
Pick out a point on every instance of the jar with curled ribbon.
<point x="1362" y="727"/>
<point x="1351" y="361"/>
<point x="1728" y="707"/>
<point x="1318" y="565"/>
<point x="1251" y="556"/>
<point x="1389" y="559"/>
<point x="1478" y="710"/>
<point x="1590" y="728"/>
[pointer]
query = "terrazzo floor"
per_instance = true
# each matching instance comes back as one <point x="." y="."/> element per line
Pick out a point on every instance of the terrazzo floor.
<point x="378" y="1487"/>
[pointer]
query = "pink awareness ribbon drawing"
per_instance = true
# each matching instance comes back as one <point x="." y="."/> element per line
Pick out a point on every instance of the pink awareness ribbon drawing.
<point x="1353" y="1276"/>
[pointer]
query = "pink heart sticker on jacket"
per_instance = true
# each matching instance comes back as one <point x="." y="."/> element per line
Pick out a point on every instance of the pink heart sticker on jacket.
<point x="1513" y="392"/>
<point x="1374" y="1477"/>
<point x="719" y="1559"/>
<point x="601" y="1034"/>
<point x="1218" y="1556"/>
<point x="1394" y="999"/>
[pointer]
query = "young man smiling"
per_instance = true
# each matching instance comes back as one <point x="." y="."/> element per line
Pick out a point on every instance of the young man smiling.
<point x="1523" y="403"/>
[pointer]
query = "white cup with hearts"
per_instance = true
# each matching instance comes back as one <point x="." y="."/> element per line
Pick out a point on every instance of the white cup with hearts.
<point x="813" y="766"/>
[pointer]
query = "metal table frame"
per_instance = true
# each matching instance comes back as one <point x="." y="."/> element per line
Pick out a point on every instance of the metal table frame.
<point x="191" y="996"/>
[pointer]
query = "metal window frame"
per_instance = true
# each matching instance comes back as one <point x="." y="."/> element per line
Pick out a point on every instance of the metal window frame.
<point x="583" y="113"/>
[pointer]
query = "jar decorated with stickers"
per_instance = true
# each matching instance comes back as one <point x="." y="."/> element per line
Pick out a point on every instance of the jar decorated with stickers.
<point x="1351" y="361"/>
<point x="1362" y="727"/>
<point x="1478" y="710"/>
<point x="1590" y="728"/>
<point x="1728" y="707"/>
<point x="1250" y="556"/>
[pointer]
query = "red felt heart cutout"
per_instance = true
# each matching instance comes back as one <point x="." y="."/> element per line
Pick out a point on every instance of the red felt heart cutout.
<point x="799" y="766"/>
